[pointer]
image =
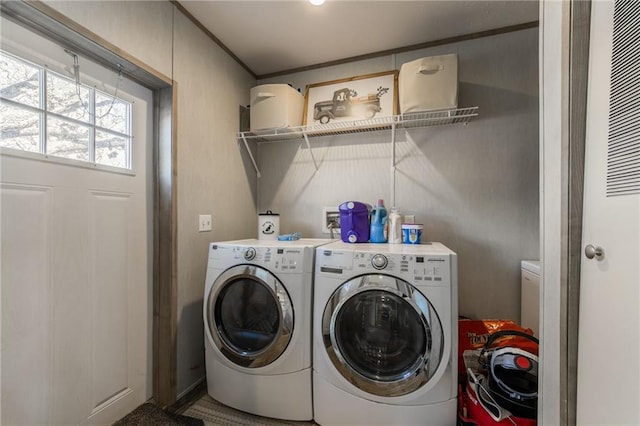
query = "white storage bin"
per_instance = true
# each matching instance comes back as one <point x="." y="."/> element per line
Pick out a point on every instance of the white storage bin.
<point x="275" y="106"/>
<point x="429" y="84"/>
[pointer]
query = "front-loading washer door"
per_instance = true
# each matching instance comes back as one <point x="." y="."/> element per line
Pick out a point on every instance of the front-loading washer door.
<point x="249" y="316"/>
<point x="383" y="335"/>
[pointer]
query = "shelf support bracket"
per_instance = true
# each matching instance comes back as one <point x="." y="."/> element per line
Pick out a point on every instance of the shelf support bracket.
<point x="393" y="164"/>
<point x="246" y="145"/>
<point x="306" y="139"/>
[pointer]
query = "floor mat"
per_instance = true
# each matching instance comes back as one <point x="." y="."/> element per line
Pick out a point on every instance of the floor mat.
<point x="214" y="413"/>
<point x="149" y="414"/>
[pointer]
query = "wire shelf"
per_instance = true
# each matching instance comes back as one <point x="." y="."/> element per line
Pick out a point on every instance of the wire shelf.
<point x="406" y="121"/>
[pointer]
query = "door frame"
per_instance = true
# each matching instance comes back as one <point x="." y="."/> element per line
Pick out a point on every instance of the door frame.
<point x="564" y="26"/>
<point x="564" y="54"/>
<point x="46" y="21"/>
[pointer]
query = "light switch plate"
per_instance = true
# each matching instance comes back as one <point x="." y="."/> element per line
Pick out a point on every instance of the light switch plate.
<point x="204" y="223"/>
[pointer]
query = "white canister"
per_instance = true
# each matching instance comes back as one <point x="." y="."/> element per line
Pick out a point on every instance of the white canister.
<point x="412" y="233"/>
<point x="268" y="225"/>
<point x="395" y="226"/>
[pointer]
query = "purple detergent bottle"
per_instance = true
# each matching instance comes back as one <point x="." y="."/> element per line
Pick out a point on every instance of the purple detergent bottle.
<point x="354" y="222"/>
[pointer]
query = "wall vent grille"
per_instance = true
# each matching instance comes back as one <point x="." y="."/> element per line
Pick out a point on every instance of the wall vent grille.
<point x="623" y="152"/>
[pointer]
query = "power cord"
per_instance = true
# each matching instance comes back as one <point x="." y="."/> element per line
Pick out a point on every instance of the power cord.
<point x="76" y="75"/>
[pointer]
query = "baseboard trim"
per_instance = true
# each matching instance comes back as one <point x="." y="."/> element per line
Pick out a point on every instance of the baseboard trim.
<point x="189" y="396"/>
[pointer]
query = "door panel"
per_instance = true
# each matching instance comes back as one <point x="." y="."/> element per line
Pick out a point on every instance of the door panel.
<point x="609" y="323"/>
<point x="108" y="222"/>
<point x="76" y="280"/>
<point x="26" y="311"/>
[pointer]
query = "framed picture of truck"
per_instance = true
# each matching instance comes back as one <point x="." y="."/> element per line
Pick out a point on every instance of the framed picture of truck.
<point x="350" y="99"/>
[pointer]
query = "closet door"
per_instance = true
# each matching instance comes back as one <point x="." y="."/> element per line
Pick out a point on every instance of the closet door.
<point x="609" y="324"/>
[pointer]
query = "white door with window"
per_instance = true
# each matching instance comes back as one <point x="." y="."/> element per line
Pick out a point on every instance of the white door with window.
<point x="609" y="327"/>
<point x="76" y="259"/>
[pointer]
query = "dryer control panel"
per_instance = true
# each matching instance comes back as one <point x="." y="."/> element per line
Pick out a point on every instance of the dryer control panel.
<point x="293" y="260"/>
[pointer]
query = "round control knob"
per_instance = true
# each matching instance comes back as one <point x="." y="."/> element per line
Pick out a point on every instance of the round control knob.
<point x="250" y="254"/>
<point x="379" y="261"/>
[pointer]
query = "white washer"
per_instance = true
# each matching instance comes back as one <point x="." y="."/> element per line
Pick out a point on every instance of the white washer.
<point x="385" y="334"/>
<point x="257" y="318"/>
<point x="530" y="295"/>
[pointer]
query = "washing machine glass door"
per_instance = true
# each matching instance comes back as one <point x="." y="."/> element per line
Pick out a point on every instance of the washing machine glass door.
<point x="249" y="316"/>
<point x="382" y="335"/>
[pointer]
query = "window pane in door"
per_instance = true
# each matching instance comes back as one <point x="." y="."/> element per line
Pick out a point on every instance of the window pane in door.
<point x="112" y="114"/>
<point x="380" y="335"/>
<point x="19" y="128"/>
<point x="247" y="315"/>
<point x="64" y="98"/>
<point x="19" y="81"/>
<point x="111" y="150"/>
<point x="67" y="139"/>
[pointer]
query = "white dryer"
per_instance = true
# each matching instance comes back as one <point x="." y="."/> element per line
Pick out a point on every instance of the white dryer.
<point x="257" y="318"/>
<point x="385" y="334"/>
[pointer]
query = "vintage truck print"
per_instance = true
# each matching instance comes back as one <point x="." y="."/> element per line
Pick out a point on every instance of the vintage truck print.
<point x="346" y="103"/>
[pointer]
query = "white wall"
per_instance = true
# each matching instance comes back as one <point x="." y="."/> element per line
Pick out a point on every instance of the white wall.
<point x="212" y="177"/>
<point x="140" y="28"/>
<point x="474" y="187"/>
<point x="213" y="172"/>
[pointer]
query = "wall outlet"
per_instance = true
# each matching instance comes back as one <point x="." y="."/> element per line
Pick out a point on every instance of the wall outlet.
<point x="330" y="216"/>
<point x="204" y="223"/>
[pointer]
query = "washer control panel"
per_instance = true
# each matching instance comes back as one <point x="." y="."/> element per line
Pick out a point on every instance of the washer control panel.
<point x="250" y="253"/>
<point x="379" y="261"/>
<point x="416" y="268"/>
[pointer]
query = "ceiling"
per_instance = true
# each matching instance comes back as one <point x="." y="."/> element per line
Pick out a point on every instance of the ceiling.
<point x="270" y="37"/>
